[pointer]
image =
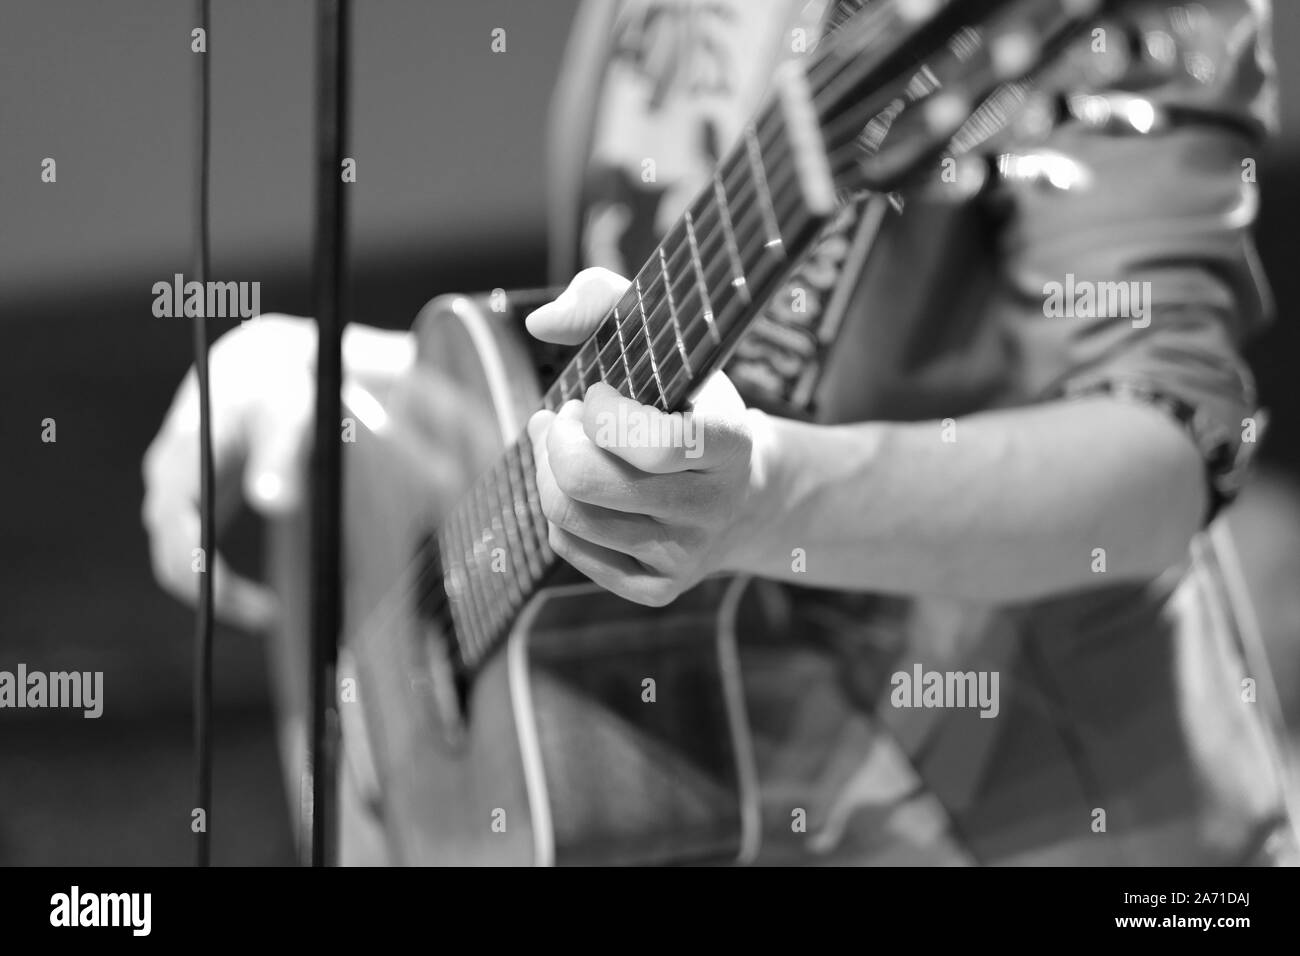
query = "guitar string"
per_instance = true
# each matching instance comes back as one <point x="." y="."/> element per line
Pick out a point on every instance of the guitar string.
<point x="471" y="566"/>
<point x="736" y="162"/>
<point x="485" y="595"/>
<point x="500" y="515"/>
<point x="839" y="157"/>
<point x="416" y="575"/>
<point x="769" y="113"/>
<point x="459" y="544"/>
<point x="467" y="550"/>
<point x="831" y="58"/>
<point x="479" y="648"/>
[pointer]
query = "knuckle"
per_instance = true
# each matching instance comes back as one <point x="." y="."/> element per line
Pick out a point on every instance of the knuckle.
<point x="557" y="507"/>
<point x="571" y="469"/>
<point x="661" y="550"/>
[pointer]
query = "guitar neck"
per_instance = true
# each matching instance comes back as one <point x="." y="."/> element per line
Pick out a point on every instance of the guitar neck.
<point x="897" y="85"/>
<point x="680" y="318"/>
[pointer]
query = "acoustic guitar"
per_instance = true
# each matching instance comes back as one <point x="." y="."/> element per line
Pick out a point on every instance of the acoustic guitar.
<point x="514" y="713"/>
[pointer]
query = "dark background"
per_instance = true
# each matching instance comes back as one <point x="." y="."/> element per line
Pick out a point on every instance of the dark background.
<point x="450" y="196"/>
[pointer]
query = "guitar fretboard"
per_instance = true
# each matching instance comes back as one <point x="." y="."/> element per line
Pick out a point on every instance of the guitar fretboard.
<point x="676" y="323"/>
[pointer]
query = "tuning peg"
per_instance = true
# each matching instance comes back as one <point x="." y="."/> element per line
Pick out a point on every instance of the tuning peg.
<point x="1160" y="50"/>
<point x="1116" y="112"/>
<point x="1045" y="168"/>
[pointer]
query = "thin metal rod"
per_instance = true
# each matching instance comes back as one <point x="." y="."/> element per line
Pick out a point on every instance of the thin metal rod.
<point x="207" y="519"/>
<point x="328" y="278"/>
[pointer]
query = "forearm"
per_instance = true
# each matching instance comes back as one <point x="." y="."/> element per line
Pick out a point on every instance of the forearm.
<point x="1014" y="508"/>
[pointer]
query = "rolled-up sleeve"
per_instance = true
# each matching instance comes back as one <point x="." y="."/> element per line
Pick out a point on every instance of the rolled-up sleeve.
<point x="1129" y="264"/>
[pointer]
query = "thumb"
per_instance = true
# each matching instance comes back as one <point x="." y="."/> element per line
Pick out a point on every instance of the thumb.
<point x="579" y="309"/>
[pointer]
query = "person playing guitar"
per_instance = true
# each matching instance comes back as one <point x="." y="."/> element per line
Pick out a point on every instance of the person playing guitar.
<point x="979" y="471"/>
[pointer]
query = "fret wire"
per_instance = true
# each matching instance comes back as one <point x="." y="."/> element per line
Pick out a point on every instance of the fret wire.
<point x="622" y="351"/>
<point x="523" y="517"/>
<point x="534" y="502"/>
<point x="822" y="73"/>
<point x="700" y="213"/>
<point x="701" y="285"/>
<point x="692" y="288"/>
<point x="469" y="594"/>
<point x="701" y="247"/>
<point x="650" y="346"/>
<point x="503" y="607"/>
<point x="482" y="570"/>
<point x="566" y="390"/>
<point x="672" y="310"/>
<point x="483" y="578"/>
<point x="530" y="469"/>
<point x="723" y="284"/>
<point x="600" y="349"/>
<point x="462" y="600"/>
<point x="582" y="374"/>
<point x="764" y="192"/>
<point x="502" y="521"/>
<point x="699" y="277"/>
<point x="729" y="237"/>
<point x="458" y="613"/>
<point x="501" y="585"/>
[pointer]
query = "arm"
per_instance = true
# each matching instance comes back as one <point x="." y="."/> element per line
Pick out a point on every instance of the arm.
<point x="1126" y="435"/>
<point x="1010" y="510"/>
<point x="262" y="384"/>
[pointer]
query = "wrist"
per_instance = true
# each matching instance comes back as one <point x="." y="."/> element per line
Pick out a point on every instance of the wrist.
<point x="754" y="511"/>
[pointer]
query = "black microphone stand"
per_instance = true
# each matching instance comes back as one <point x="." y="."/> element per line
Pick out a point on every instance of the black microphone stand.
<point x="326" y="468"/>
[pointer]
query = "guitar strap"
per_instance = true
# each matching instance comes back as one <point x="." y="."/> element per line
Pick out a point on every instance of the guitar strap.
<point x="781" y="361"/>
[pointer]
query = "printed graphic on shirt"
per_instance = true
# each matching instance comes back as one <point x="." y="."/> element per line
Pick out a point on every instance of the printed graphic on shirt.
<point x="682" y="80"/>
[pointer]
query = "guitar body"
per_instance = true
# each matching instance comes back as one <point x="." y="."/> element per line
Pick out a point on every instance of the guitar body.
<point x="604" y="732"/>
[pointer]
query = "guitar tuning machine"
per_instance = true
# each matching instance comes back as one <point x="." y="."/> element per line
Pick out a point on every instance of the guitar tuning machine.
<point x="1047" y="169"/>
<point x="1151" y="48"/>
<point x="1115" y="112"/>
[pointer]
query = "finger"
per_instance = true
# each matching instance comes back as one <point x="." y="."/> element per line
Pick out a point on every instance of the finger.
<point x="588" y="473"/>
<point x="575" y="314"/>
<point x="538" y="425"/>
<point x="178" y="565"/>
<point x="639" y="537"/>
<point x="616" y="573"/>
<point x="171" y="462"/>
<point x="659" y="443"/>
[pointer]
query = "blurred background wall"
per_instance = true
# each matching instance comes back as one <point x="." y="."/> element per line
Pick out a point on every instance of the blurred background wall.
<point x="449" y="196"/>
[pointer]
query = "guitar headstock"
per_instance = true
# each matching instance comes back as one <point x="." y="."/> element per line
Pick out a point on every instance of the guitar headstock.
<point x="905" y="85"/>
